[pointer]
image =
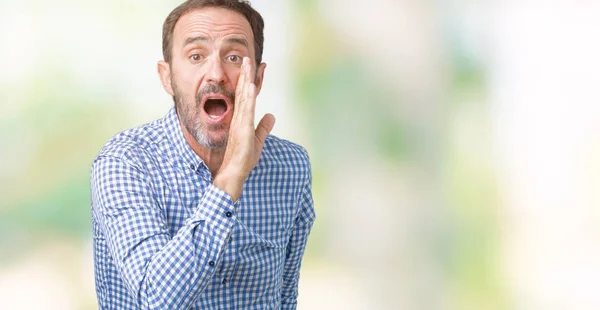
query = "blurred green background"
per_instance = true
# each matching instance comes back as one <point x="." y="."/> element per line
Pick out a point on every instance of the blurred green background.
<point x="455" y="145"/>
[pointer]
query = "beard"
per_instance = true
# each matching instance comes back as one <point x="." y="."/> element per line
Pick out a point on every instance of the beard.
<point x="189" y="114"/>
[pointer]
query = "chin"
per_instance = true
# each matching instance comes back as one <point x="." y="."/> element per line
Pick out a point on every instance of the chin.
<point x="218" y="141"/>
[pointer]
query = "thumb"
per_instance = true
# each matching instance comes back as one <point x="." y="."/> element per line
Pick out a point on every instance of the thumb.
<point x="264" y="127"/>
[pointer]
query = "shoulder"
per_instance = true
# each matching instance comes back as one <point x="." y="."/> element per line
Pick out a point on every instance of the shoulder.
<point x="134" y="143"/>
<point x="284" y="152"/>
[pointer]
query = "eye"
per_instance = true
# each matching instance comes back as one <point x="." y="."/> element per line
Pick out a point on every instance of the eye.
<point x="234" y="58"/>
<point x="196" y="57"/>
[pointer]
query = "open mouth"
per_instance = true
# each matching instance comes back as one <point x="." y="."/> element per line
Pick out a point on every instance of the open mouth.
<point x="215" y="108"/>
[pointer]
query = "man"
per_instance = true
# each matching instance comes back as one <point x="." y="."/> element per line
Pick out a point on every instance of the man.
<point x="200" y="210"/>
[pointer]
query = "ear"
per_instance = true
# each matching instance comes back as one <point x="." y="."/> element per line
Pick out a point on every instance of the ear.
<point x="164" y="72"/>
<point x="258" y="79"/>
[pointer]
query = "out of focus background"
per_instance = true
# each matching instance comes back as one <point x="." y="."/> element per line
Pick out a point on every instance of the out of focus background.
<point x="455" y="144"/>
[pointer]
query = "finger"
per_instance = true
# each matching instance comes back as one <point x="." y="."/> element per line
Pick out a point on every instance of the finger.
<point x="241" y="78"/>
<point x="251" y="97"/>
<point x="240" y="91"/>
<point x="264" y="127"/>
<point x="250" y="73"/>
<point x="251" y="93"/>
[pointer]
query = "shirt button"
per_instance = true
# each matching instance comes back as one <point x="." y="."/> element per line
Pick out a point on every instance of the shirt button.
<point x="229" y="214"/>
<point x="224" y="281"/>
<point x="192" y="167"/>
<point x="211" y="263"/>
<point x="230" y="239"/>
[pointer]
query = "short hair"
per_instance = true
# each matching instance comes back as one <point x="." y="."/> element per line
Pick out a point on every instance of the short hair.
<point x="239" y="6"/>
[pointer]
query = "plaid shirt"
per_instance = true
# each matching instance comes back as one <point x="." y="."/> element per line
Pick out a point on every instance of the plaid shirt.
<point x="166" y="238"/>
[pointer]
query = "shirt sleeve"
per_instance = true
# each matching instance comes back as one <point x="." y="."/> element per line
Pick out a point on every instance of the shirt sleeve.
<point x="160" y="270"/>
<point x="296" y="245"/>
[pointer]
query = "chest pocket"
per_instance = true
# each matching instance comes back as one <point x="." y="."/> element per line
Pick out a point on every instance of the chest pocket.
<point x="267" y="221"/>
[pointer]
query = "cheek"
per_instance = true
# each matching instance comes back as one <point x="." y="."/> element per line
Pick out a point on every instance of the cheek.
<point x="187" y="78"/>
<point x="233" y="74"/>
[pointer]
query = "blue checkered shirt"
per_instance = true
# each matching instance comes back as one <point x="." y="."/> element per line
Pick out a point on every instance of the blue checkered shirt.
<point x="165" y="237"/>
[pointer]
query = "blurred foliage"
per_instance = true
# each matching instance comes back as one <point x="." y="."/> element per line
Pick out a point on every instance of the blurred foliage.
<point x="343" y="104"/>
<point x="472" y="249"/>
<point x="335" y="92"/>
<point x="54" y="138"/>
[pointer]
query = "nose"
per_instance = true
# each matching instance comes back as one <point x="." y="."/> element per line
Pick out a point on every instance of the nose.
<point x="215" y="72"/>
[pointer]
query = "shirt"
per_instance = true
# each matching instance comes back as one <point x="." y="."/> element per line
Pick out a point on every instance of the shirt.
<point x="165" y="237"/>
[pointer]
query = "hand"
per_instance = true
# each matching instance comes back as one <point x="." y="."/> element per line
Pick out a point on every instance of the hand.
<point x="245" y="144"/>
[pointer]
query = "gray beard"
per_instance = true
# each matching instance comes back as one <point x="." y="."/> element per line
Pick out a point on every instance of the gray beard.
<point x="199" y="131"/>
<point x="188" y="116"/>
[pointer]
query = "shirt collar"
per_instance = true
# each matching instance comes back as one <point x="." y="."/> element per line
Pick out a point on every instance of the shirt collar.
<point x="186" y="157"/>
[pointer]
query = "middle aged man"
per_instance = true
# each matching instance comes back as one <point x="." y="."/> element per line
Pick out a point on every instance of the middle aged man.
<point x="200" y="210"/>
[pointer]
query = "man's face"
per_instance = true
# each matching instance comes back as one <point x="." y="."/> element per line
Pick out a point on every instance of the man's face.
<point x="208" y="47"/>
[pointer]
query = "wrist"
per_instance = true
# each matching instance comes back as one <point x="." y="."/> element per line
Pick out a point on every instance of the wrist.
<point x="232" y="184"/>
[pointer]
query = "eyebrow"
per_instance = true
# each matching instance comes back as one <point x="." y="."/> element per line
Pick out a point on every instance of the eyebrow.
<point x="234" y="40"/>
<point x="240" y="41"/>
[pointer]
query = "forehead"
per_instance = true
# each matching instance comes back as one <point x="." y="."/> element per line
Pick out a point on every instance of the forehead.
<point x="214" y="23"/>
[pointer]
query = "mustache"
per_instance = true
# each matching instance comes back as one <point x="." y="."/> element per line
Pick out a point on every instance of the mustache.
<point x="214" y="89"/>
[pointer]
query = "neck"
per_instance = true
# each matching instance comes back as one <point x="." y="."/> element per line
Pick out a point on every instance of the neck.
<point x="213" y="158"/>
